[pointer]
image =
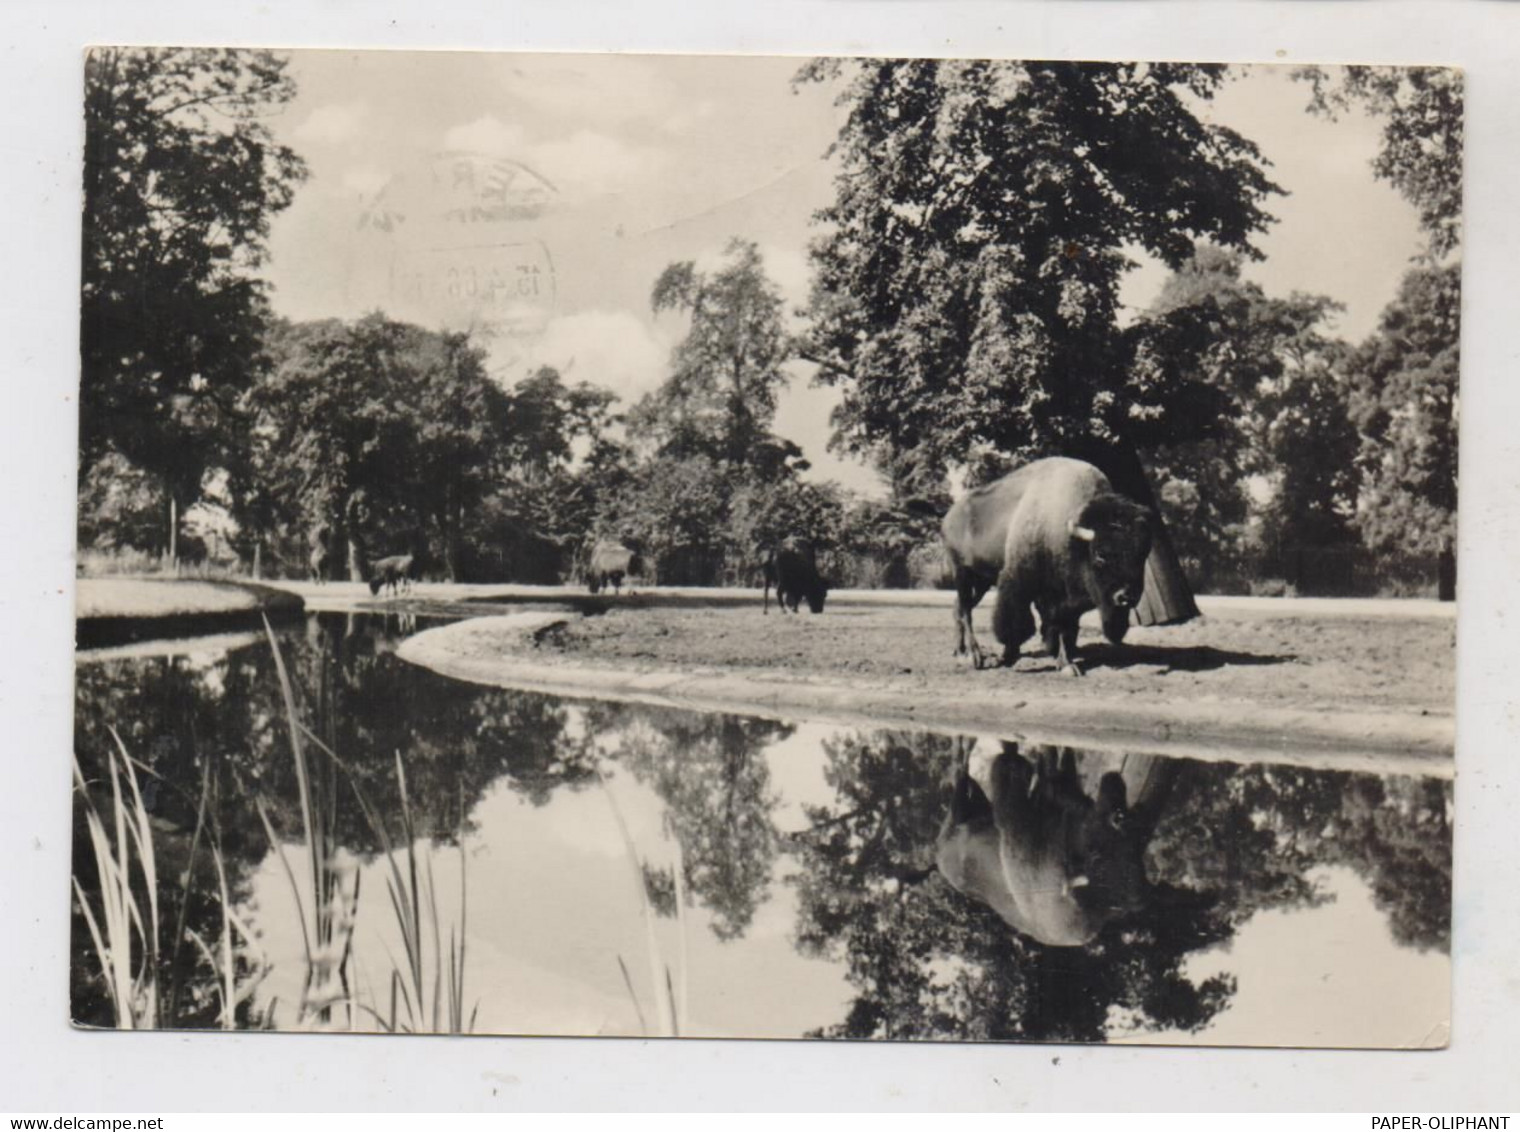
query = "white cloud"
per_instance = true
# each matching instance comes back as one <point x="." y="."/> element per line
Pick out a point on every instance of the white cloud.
<point x="588" y="164"/>
<point x="486" y="134"/>
<point x="335" y="122"/>
<point x="613" y="349"/>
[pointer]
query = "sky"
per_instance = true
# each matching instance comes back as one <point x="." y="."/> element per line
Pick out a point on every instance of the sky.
<point x="535" y="198"/>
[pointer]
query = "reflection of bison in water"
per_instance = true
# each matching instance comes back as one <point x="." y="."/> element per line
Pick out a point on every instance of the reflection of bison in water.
<point x="608" y="565"/>
<point x="1054" y="535"/>
<point x="1054" y="862"/>
<point x="795" y="578"/>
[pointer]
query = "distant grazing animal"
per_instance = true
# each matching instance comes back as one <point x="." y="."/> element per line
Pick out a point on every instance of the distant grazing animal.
<point x="795" y="578"/>
<point x="394" y="572"/>
<point x="1055" y="863"/>
<point x="609" y="564"/>
<point x="1053" y="535"/>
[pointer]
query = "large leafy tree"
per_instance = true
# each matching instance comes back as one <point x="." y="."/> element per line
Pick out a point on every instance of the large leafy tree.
<point x="181" y="178"/>
<point x="720" y="398"/>
<point x="1405" y="376"/>
<point x="966" y="293"/>
<point x="560" y="464"/>
<point x="385" y="434"/>
<point x="1404" y="403"/>
<point x="1270" y="398"/>
<point x="675" y="511"/>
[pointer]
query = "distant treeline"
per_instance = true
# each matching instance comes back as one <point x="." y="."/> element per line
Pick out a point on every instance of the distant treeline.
<point x="964" y="303"/>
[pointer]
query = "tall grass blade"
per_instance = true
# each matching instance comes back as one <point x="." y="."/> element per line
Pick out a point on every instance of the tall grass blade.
<point x="132" y="986"/>
<point x="658" y="984"/>
<point x="633" y="996"/>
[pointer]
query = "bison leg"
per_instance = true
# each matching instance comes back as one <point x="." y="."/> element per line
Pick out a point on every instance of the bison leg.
<point x="1012" y="621"/>
<point x="969" y="589"/>
<point x="969" y="802"/>
<point x="1115" y="624"/>
<point x="1067" y="656"/>
<point x="1050" y="629"/>
<point x="1012" y="778"/>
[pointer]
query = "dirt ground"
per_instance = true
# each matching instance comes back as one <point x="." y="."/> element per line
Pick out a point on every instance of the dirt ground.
<point x="1332" y="663"/>
<point x="155" y="597"/>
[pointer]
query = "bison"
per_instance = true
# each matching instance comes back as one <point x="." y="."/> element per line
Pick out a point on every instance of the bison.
<point x="1054" y="862"/>
<point x="1053" y="535"/>
<point x="394" y="572"/>
<point x="795" y="578"/>
<point x="609" y="564"/>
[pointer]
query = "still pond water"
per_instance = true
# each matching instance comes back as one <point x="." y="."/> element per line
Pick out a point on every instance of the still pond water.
<point x="540" y="865"/>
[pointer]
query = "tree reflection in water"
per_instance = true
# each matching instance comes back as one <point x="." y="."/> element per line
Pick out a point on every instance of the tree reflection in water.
<point x="710" y="771"/>
<point x="927" y="961"/>
<point x="221" y="719"/>
<point x="1218" y="842"/>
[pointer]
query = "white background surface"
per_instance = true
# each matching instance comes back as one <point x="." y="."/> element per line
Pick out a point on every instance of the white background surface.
<point x="46" y="1066"/>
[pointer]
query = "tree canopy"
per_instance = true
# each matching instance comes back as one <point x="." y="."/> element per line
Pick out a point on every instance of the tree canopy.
<point x="1421" y="153"/>
<point x="720" y="398"/>
<point x="1404" y="402"/>
<point x="181" y="178"/>
<point x="967" y="278"/>
<point x="1405" y="375"/>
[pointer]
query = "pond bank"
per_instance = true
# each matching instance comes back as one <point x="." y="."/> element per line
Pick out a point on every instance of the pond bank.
<point x="552" y="653"/>
<point x="112" y="612"/>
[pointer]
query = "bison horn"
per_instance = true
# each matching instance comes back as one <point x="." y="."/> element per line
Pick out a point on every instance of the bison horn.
<point x="1086" y="534"/>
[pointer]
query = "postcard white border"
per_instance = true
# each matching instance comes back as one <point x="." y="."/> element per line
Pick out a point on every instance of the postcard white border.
<point x="49" y="1066"/>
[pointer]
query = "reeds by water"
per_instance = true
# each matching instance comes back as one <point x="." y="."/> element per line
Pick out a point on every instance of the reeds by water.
<point x="125" y="934"/>
<point x="425" y="988"/>
<point x="670" y="1009"/>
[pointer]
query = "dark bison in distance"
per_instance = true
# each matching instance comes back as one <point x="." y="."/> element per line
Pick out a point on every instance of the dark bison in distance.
<point x="1054" y="536"/>
<point x="795" y="578"/>
<point x="608" y="565"/>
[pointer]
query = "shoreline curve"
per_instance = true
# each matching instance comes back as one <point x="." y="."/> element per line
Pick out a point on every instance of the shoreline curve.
<point x="499" y="651"/>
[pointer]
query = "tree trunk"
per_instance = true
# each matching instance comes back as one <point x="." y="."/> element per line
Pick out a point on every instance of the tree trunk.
<point x="356" y="563"/>
<point x="455" y="539"/>
<point x="173" y="530"/>
<point x="1168" y="598"/>
<point x="1446" y="572"/>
